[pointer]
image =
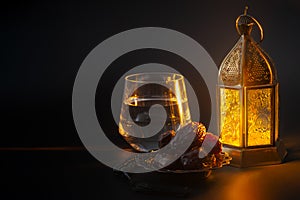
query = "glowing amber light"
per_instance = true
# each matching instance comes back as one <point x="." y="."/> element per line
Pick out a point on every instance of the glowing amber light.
<point x="259" y="118"/>
<point x="230" y="116"/>
<point x="248" y="101"/>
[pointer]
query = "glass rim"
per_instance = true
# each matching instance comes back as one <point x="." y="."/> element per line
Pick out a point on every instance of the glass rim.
<point x="174" y="77"/>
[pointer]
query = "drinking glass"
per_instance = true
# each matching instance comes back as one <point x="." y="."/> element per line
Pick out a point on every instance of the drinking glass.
<point x="153" y="103"/>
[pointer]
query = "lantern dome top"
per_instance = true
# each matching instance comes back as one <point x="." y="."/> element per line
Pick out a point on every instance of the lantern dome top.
<point x="247" y="64"/>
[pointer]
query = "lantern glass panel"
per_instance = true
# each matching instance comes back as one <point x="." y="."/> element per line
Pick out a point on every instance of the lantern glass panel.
<point x="259" y="116"/>
<point x="230" y="116"/>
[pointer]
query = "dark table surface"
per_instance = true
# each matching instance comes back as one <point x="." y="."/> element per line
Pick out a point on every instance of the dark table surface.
<point x="72" y="173"/>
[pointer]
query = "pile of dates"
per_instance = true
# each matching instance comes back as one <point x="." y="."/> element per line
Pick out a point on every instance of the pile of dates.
<point x="200" y="154"/>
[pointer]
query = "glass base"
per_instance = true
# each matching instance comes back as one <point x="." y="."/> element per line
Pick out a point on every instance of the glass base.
<point x="242" y="157"/>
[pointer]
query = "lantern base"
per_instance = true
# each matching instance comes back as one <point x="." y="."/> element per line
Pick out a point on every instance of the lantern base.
<point x="242" y="157"/>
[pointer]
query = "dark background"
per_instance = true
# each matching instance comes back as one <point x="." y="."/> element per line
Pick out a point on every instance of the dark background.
<point x="43" y="44"/>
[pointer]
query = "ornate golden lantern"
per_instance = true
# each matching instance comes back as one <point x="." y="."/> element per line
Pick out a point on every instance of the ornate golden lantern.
<point x="248" y="101"/>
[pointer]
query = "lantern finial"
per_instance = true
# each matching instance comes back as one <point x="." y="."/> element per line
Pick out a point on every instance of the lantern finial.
<point x="245" y="22"/>
<point x="246" y="9"/>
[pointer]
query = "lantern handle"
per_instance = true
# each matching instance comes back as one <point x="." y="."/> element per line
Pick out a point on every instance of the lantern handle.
<point x="260" y="28"/>
<point x="249" y="21"/>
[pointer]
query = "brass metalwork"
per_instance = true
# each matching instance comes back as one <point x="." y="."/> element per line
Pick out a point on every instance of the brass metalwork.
<point x="248" y="99"/>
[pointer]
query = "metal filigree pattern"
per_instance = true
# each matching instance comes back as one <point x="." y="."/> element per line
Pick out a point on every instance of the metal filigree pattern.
<point x="257" y="69"/>
<point x="230" y="116"/>
<point x="231" y="66"/>
<point x="259" y="113"/>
